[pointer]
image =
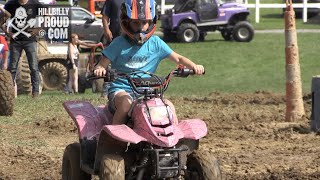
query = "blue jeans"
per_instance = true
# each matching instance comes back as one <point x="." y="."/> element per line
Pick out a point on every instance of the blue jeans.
<point x="30" y="47"/>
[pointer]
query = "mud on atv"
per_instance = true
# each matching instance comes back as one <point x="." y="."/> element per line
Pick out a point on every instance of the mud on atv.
<point x="190" y="20"/>
<point x="152" y="145"/>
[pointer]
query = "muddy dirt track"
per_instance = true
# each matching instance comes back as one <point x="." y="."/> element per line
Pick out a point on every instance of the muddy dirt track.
<point x="247" y="133"/>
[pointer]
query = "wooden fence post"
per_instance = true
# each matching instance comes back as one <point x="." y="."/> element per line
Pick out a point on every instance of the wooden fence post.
<point x="294" y="101"/>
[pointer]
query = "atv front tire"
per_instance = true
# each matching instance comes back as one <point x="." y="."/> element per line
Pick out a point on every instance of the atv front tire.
<point x="97" y="86"/>
<point x="6" y="93"/>
<point x="188" y="32"/>
<point x="82" y="84"/>
<point x="243" y="32"/>
<point x="54" y="76"/>
<point x="112" y="167"/>
<point x="71" y="164"/>
<point x="201" y="165"/>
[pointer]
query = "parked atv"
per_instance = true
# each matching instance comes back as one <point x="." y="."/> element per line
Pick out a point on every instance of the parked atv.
<point x="53" y="70"/>
<point x="190" y="20"/>
<point x="93" y="59"/>
<point x="6" y="93"/>
<point x="152" y="145"/>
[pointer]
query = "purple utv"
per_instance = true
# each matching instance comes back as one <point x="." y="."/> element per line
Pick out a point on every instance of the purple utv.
<point x="190" y="20"/>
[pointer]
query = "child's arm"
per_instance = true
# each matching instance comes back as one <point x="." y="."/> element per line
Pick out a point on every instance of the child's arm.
<point x="100" y="68"/>
<point x="178" y="59"/>
<point x="89" y="44"/>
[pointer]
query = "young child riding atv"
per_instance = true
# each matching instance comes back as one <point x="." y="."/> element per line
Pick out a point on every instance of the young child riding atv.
<point x="136" y="50"/>
<point x="151" y="143"/>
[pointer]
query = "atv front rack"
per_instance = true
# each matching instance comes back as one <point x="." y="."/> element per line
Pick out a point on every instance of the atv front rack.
<point x="167" y="162"/>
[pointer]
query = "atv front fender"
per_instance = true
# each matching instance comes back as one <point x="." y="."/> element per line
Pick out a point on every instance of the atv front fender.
<point x="189" y="129"/>
<point x="123" y="133"/>
<point x="193" y="128"/>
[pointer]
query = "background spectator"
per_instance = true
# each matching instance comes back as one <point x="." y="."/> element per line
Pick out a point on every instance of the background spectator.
<point x="110" y="18"/>
<point x="73" y="61"/>
<point x="19" y="9"/>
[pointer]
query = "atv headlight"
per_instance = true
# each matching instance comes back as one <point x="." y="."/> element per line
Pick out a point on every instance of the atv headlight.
<point x="160" y="113"/>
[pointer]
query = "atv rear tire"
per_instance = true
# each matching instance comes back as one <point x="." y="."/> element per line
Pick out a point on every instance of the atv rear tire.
<point x="97" y="86"/>
<point x="201" y="165"/>
<point x="243" y="32"/>
<point x="71" y="164"/>
<point x="188" y="32"/>
<point x="112" y="167"/>
<point x="54" y="76"/>
<point x="23" y="78"/>
<point x="6" y="93"/>
<point x="82" y="84"/>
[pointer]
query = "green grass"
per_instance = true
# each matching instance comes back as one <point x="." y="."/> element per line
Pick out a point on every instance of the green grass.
<point x="273" y="19"/>
<point x="29" y="110"/>
<point x="231" y="67"/>
<point x="243" y="67"/>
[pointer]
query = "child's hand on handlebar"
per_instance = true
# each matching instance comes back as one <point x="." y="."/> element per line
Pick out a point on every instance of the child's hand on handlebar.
<point x="198" y="69"/>
<point x="99" y="71"/>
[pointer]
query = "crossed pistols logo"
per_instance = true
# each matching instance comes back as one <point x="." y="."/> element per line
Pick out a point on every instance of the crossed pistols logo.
<point x="20" y="24"/>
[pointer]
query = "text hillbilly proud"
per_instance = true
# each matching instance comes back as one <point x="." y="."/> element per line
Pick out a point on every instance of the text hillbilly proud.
<point x="55" y="20"/>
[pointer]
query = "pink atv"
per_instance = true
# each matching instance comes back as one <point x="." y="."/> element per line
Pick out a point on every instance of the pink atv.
<point x="151" y="145"/>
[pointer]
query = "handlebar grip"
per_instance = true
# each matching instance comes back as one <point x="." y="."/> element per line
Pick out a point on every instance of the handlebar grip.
<point x="184" y="72"/>
<point x="193" y="73"/>
<point x="91" y="76"/>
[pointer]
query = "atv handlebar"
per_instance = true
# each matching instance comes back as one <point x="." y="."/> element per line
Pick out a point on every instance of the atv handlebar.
<point x="149" y="86"/>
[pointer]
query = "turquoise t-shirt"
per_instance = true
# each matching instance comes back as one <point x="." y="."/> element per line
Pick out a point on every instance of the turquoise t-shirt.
<point x="126" y="58"/>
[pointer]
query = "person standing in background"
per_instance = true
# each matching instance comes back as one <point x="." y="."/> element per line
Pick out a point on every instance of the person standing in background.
<point x="25" y="10"/>
<point x="73" y="61"/>
<point x="4" y="54"/>
<point x="111" y="24"/>
<point x="110" y="19"/>
<point x="4" y="15"/>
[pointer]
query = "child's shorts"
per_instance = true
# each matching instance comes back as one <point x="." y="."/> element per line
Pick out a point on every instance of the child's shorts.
<point x="112" y="103"/>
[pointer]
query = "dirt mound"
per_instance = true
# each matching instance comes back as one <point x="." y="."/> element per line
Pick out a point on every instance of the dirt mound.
<point x="16" y="161"/>
<point x="56" y="125"/>
<point x="246" y="132"/>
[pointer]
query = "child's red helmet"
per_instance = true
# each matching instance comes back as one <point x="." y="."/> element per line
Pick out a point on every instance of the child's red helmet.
<point x="138" y="10"/>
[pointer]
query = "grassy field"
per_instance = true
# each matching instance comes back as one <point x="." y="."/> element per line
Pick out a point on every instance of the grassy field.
<point x="243" y="67"/>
